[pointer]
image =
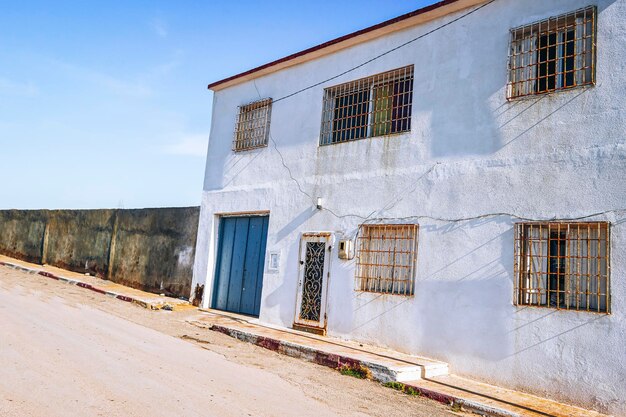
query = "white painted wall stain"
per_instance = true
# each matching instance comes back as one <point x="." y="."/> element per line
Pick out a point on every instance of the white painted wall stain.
<point x="554" y="156"/>
<point x="185" y="256"/>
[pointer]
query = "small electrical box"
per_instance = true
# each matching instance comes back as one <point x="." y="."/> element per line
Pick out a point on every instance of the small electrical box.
<point x="346" y="249"/>
<point x="273" y="263"/>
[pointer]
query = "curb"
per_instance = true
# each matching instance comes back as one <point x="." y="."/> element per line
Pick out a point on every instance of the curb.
<point x="87" y="286"/>
<point x="378" y="374"/>
<point x="472" y="406"/>
<point x="291" y="349"/>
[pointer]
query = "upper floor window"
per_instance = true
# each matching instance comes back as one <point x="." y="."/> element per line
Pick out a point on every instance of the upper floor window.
<point x="372" y="106"/>
<point x="386" y="259"/>
<point x="554" y="54"/>
<point x="563" y="265"/>
<point x="253" y="125"/>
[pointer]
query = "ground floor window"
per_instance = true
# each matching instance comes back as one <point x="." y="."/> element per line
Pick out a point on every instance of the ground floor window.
<point x="386" y="258"/>
<point x="563" y="265"/>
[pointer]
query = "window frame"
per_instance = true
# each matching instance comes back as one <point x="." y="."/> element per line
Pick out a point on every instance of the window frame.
<point x="368" y="88"/>
<point x="252" y="125"/>
<point x="525" y="50"/>
<point x="371" y="257"/>
<point x="534" y="245"/>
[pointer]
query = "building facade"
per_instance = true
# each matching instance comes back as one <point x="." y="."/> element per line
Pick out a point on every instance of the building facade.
<point x="450" y="183"/>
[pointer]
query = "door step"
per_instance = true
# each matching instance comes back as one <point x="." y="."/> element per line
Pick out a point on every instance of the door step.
<point x="384" y="365"/>
<point x="414" y="374"/>
<point x="309" y="329"/>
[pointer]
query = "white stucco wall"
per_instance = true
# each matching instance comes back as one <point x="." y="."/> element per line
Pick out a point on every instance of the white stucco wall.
<point x="555" y="156"/>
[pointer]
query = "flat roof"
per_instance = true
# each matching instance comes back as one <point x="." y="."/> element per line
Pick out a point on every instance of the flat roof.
<point x="413" y="18"/>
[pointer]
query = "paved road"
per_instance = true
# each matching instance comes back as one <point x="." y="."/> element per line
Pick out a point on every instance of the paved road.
<point x="62" y="357"/>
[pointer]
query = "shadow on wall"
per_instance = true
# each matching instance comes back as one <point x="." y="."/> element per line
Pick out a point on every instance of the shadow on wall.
<point x="283" y="296"/>
<point x="528" y="343"/>
<point x="457" y="97"/>
<point x="287" y="289"/>
<point x="458" y="308"/>
<point x="466" y="299"/>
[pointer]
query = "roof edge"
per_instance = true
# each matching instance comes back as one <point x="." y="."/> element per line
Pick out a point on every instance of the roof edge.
<point x="352" y="37"/>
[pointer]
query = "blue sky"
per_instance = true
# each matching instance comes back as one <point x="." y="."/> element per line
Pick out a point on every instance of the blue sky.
<point x="104" y="104"/>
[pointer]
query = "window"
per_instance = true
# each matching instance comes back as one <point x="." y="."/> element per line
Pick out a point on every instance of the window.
<point x="563" y="265"/>
<point x="373" y="106"/>
<point x="253" y="125"/>
<point x="387" y="255"/>
<point x="555" y="54"/>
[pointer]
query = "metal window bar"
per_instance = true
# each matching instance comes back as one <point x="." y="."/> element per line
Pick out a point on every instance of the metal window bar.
<point x="253" y="125"/>
<point x="373" y="106"/>
<point x="554" y="54"/>
<point x="563" y="265"/>
<point x="387" y="255"/>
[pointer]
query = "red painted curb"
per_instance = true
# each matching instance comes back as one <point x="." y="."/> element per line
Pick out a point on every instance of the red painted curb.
<point x="98" y="290"/>
<point x="48" y="275"/>
<point x="90" y="287"/>
<point x="80" y="284"/>
<point x="327" y="359"/>
<point x="433" y="395"/>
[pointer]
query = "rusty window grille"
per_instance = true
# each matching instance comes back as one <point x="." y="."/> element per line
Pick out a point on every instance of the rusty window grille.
<point x="554" y="54"/>
<point x="387" y="255"/>
<point x="373" y="106"/>
<point x="253" y="125"/>
<point x="563" y="265"/>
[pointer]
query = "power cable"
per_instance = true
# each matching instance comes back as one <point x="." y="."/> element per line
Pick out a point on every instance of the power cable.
<point x="386" y="52"/>
<point x="369" y="218"/>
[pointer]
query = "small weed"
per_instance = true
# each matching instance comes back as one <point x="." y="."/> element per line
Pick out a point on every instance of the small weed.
<point x="399" y="386"/>
<point x="356" y="370"/>
<point x="456" y="407"/>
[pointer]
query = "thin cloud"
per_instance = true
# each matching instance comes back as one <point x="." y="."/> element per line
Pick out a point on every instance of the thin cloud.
<point x="106" y="81"/>
<point x="13" y="88"/>
<point x="192" y="145"/>
<point x="159" y="27"/>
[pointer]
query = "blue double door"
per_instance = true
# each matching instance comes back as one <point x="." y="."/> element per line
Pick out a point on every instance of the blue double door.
<point x="240" y="263"/>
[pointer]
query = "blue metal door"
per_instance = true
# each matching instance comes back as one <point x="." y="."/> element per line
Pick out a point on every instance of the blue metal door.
<point x="240" y="264"/>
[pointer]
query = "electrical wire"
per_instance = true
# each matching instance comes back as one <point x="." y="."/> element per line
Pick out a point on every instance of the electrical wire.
<point x="386" y="52"/>
<point x="369" y="217"/>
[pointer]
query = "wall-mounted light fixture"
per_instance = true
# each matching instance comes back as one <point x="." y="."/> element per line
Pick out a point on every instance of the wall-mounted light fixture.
<point x="319" y="203"/>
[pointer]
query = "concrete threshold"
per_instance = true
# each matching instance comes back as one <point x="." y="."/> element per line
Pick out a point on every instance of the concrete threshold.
<point x="413" y="374"/>
<point x="385" y="365"/>
<point x="101" y="286"/>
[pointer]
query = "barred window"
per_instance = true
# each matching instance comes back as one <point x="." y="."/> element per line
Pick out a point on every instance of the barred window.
<point x="386" y="259"/>
<point x="555" y="54"/>
<point x="563" y="265"/>
<point x="372" y="106"/>
<point x="253" y="125"/>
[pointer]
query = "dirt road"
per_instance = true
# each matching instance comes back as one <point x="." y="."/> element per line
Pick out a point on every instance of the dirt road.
<point x="65" y="351"/>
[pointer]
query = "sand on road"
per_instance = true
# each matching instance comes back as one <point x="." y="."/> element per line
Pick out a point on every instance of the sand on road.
<point x="65" y="351"/>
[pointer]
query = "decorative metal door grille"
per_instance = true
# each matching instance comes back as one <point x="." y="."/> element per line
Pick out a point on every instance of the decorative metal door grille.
<point x="253" y="125"/>
<point x="311" y="305"/>
<point x="386" y="258"/>
<point x="563" y="265"/>
<point x="554" y="54"/>
<point x="372" y="106"/>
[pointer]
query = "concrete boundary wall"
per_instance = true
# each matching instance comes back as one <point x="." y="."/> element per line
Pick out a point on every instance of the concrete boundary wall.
<point x="150" y="249"/>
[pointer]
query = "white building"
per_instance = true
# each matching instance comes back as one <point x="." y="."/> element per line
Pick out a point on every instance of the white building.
<point x="472" y="156"/>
